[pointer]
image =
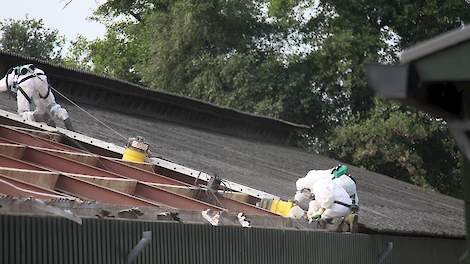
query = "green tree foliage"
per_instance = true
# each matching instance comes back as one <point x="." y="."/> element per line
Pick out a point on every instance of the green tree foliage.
<point x="394" y="140"/>
<point x="215" y="50"/>
<point x="297" y="60"/>
<point x="413" y="21"/>
<point x="78" y="55"/>
<point x="386" y="138"/>
<point x="114" y="55"/>
<point x="29" y="37"/>
<point x="402" y="143"/>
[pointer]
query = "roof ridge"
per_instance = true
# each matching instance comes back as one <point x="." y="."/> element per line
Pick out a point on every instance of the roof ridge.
<point x="138" y="86"/>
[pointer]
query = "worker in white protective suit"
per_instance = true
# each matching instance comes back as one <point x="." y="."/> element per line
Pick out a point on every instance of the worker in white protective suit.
<point x="31" y="87"/>
<point x="339" y="174"/>
<point x="343" y="178"/>
<point x="327" y="199"/>
<point x="349" y="185"/>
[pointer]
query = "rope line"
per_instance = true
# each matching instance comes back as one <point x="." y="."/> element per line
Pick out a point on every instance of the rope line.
<point x="76" y="105"/>
<point x="99" y="121"/>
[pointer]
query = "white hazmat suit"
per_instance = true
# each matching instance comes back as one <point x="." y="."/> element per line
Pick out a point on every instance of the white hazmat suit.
<point x="310" y="179"/>
<point x="327" y="195"/>
<point x="31" y="87"/>
<point x="349" y="186"/>
<point x="313" y="176"/>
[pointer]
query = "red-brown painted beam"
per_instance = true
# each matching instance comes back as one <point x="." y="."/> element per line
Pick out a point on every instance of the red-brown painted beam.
<point x="137" y="173"/>
<point x="55" y="162"/>
<point x="179" y="176"/>
<point x="17" y="188"/>
<point x="146" y="176"/>
<point x="172" y="199"/>
<point x="58" y="163"/>
<point x="4" y="140"/>
<point x="9" y="162"/>
<point x="115" y="169"/>
<point x="89" y="191"/>
<point x="236" y="206"/>
<point x="21" y="137"/>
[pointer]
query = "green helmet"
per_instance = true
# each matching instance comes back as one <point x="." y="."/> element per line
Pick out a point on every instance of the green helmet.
<point x="24" y="69"/>
<point x="339" y="171"/>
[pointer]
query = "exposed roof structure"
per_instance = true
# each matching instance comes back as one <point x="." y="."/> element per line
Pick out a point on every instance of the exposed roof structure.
<point x="34" y="163"/>
<point x="250" y="158"/>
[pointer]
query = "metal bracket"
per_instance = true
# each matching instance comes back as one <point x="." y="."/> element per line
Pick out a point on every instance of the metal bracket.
<point x="146" y="239"/>
<point x="463" y="257"/>
<point x="386" y="252"/>
<point x="461" y="132"/>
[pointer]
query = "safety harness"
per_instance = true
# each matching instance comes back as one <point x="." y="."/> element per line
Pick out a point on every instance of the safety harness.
<point x="354" y="207"/>
<point x="24" y="71"/>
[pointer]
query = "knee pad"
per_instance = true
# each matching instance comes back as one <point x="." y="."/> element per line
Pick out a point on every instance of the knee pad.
<point x="28" y="115"/>
<point x="57" y="111"/>
<point x="41" y="117"/>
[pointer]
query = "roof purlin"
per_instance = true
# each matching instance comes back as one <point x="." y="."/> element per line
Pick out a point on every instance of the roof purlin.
<point x="109" y="168"/>
<point x="15" y="187"/>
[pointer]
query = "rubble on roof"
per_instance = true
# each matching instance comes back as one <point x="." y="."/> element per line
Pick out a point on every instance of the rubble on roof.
<point x="387" y="205"/>
<point x="34" y="165"/>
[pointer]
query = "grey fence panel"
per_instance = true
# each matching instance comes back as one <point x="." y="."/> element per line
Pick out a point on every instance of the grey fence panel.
<point x="27" y="239"/>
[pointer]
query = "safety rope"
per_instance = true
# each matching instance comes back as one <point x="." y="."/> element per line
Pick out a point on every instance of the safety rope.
<point x="81" y="146"/>
<point x="76" y="105"/>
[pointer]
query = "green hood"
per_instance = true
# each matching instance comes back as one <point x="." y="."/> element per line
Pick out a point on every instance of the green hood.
<point x="342" y="170"/>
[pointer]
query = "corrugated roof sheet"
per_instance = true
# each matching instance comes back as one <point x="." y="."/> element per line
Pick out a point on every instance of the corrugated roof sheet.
<point x="387" y="205"/>
<point x="29" y="239"/>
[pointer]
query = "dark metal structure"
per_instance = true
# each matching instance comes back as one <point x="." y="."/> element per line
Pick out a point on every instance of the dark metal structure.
<point x="33" y="239"/>
<point x="435" y="76"/>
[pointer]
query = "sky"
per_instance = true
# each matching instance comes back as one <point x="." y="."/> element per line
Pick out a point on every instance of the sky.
<point x="69" y="21"/>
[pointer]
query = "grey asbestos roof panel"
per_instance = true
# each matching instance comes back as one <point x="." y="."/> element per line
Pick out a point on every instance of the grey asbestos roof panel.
<point x="386" y="204"/>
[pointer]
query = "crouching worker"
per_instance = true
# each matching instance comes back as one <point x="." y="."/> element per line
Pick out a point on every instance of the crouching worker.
<point x="31" y="87"/>
<point x="326" y="200"/>
<point x="340" y="175"/>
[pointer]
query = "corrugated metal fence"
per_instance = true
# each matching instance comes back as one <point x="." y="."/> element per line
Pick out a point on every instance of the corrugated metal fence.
<point x="27" y="239"/>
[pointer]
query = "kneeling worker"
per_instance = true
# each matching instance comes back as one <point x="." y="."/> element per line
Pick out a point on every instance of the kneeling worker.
<point x="328" y="200"/>
<point x="31" y="87"/>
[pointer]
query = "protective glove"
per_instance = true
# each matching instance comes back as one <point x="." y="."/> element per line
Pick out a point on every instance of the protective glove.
<point x="296" y="212"/>
<point x="315" y="215"/>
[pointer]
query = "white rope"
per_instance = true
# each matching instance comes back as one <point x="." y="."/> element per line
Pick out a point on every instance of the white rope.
<point x="76" y="105"/>
<point x="99" y="121"/>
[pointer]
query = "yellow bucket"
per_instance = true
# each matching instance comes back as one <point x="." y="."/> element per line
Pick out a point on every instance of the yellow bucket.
<point x="281" y="207"/>
<point x="130" y="154"/>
